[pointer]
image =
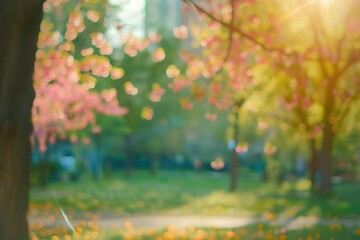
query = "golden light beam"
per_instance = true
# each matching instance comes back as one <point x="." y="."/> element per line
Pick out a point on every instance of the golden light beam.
<point x="296" y="10"/>
<point x="326" y="4"/>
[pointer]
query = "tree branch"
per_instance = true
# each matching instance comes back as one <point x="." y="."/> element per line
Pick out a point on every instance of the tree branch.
<point x="346" y="108"/>
<point x="232" y="28"/>
<point x="351" y="61"/>
<point x="231" y="31"/>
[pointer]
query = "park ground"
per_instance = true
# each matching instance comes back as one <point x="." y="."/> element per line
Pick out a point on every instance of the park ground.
<point x="192" y="205"/>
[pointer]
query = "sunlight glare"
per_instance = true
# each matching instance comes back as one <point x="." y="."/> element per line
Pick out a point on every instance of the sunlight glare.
<point x="326" y="5"/>
<point x="326" y="2"/>
<point x="299" y="9"/>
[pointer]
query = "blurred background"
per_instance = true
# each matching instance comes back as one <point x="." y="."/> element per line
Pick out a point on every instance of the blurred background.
<point x="136" y="115"/>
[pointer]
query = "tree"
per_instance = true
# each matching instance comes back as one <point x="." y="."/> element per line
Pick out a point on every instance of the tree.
<point x="318" y="69"/>
<point x="71" y="64"/>
<point x="20" y="21"/>
<point x="320" y="77"/>
<point x="54" y="110"/>
<point x="143" y="92"/>
<point x="226" y="61"/>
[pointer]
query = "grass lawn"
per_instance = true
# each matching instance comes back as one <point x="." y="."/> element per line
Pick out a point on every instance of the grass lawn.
<point x="190" y="193"/>
<point x="194" y="193"/>
<point x="171" y="192"/>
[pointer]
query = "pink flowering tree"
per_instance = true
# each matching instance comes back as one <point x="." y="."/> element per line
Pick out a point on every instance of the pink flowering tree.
<point x="313" y="76"/>
<point x="67" y="72"/>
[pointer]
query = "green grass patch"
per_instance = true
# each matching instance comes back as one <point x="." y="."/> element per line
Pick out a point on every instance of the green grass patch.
<point x="183" y="193"/>
<point x="178" y="192"/>
<point x="190" y="193"/>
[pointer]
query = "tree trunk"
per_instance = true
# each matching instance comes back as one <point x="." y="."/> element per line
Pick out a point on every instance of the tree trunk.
<point x="234" y="157"/>
<point x="313" y="164"/>
<point x="98" y="160"/>
<point x="19" y="25"/>
<point x="128" y="156"/>
<point x="233" y="171"/>
<point x="154" y="162"/>
<point x="44" y="169"/>
<point x="326" y="161"/>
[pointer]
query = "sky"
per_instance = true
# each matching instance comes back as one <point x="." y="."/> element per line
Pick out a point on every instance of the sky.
<point x="131" y="16"/>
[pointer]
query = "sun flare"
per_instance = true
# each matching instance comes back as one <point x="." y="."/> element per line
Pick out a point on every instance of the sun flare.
<point x="326" y="4"/>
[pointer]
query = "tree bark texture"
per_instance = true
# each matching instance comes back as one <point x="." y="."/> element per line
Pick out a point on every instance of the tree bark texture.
<point x="19" y="29"/>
